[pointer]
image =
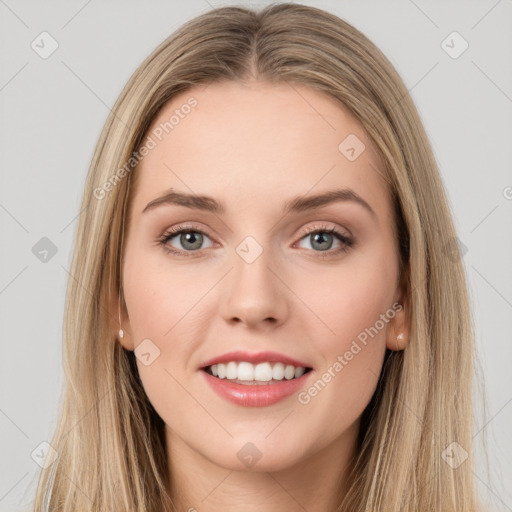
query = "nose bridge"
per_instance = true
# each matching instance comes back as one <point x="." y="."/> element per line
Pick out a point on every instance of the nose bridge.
<point x="254" y="293"/>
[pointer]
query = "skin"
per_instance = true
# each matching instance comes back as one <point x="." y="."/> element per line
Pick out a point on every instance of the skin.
<point x="253" y="146"/>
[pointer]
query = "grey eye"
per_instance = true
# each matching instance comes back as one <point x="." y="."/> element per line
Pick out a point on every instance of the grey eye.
<point x="190" y="240"/>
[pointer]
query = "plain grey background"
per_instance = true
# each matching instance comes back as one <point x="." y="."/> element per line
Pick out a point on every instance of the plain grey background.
<point x="51" y="113"/>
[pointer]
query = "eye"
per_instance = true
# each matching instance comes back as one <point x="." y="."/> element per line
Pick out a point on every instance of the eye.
<point x="321" y="239"/>
<point x="189" y="240"/>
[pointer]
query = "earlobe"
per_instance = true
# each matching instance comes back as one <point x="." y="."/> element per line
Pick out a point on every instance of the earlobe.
<point x="125" y="340"/>
<point x="398" y="333"/>
<point x="122" y="327"/>
<point x="124" y="337"/>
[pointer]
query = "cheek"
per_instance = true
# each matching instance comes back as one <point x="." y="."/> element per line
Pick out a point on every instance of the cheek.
<point x="160" y="303"/>
<point x="354" y="303"/>
<point x="357" y="314"/>
<point x="160" y="295"/>
<point x="350" y="297"/>
<point x="168" y="305"/>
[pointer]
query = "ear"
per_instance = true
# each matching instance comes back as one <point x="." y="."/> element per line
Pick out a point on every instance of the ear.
<point x="117" y="309"/>
<point x="398" y="332"/>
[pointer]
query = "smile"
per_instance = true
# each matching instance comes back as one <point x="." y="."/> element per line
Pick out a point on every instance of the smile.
<point x="248" y="373"/>
<point x="255" y="388"/>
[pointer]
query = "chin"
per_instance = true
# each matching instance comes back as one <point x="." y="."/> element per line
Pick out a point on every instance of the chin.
<point x="256" y="457"/>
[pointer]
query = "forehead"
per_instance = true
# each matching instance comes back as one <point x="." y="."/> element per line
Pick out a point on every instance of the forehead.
<point x="256" y="141"/>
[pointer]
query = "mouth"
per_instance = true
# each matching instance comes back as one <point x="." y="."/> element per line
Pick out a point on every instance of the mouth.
<point x="256" y="385"/>
<point x="265" y="373"/>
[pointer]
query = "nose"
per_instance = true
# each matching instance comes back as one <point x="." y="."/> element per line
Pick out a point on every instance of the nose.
<point x="253" y="294"/>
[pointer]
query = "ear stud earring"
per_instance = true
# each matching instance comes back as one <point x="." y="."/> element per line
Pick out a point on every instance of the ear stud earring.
<point x="121" y="332"/>
<point x="400" y="337"/>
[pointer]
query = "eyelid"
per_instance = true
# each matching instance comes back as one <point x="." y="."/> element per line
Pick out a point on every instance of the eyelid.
<point x="176" y="230"/>
<point x="325" y="225"/>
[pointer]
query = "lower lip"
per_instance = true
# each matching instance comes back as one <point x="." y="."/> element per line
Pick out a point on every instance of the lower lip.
<point x="255" y="395"/>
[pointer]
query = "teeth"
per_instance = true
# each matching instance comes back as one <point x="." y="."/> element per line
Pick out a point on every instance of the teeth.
<point x="262" y="372"/>
<point x="231" y="370"/>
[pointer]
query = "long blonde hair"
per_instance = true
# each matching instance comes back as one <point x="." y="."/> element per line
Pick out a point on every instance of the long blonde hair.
<point x="109" y="439"/>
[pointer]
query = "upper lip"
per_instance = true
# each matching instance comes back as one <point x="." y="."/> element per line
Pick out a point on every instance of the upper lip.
<point x="254" y="358"/>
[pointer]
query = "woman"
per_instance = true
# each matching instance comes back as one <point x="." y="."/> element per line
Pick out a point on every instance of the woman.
<point x="267" y="308"/>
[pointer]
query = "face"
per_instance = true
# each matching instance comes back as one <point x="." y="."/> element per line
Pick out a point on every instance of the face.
<point x="269" y="270"/>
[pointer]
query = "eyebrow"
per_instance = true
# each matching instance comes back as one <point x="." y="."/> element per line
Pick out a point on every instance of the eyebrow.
<point x="297" y="204"/>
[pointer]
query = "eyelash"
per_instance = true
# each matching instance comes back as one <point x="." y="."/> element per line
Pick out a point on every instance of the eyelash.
<point x="347" y="242"/>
